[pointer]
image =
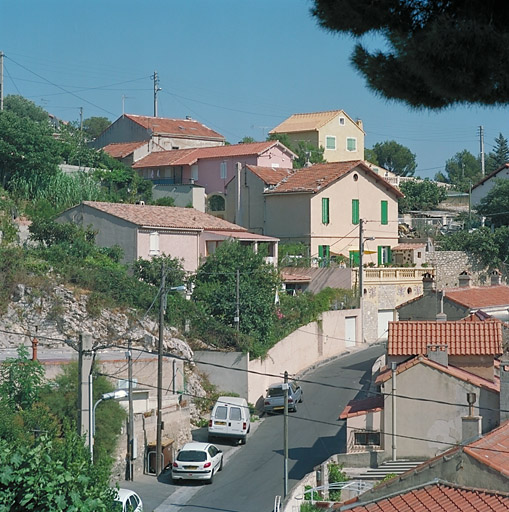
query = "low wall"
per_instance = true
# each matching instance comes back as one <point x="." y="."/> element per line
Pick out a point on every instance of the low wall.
<point x="308" y="345"/>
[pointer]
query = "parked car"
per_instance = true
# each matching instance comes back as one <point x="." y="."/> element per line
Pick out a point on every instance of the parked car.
<point x="275" y="399"/>
<point x="230" y="419"/>
<point x="127" y="501"/>
<point x="197" y="461"/>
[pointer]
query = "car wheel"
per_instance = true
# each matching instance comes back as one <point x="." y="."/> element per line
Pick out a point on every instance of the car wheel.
<point x="221" y="464"/>
<point x="294" y="409"/>
<point x="243" y="440"/>
<point x="211" y="479"/>
<point x="301" y="398"/>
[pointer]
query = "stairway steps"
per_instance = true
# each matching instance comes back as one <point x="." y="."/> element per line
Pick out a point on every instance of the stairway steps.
<point x="397" y="467"/>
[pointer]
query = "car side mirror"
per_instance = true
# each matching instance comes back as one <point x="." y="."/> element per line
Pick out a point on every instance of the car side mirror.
<point x="219" y="451"/>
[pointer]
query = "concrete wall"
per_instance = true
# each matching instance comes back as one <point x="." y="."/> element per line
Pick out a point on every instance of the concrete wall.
<point x="288" y="217"/>
<point x="303" y="348"/>
<point x="430" y="426"/>
<point x="449" y="264"/>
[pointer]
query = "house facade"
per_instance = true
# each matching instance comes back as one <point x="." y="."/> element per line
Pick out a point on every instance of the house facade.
<point x="320" y="206"/>
<point x="341" y="137"/>
<point x="481" y="189"/>
<point x="130" y="152"/>
<point x="144" y="231"/>
<point x="165" y="132"/>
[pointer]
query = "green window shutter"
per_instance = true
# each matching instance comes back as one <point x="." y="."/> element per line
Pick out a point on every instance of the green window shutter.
<point x="320" y="251"/>
<point x="380" y="249"/>
<point x="389" y="255"/>
<point x="354" y="258"/>
<point x="355" y="211"/>
<point x="326" y="251"/>
<point x="385" y="212"/>
<point x="325" y="210"/>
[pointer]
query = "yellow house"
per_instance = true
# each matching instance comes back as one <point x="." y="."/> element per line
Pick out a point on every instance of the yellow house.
<point x="320" y="206"/>
<point x="341" y="137"/>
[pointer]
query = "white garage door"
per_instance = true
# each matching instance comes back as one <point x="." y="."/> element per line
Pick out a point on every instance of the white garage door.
<point x="350" y="331"/>
<point x="384" y="317"/>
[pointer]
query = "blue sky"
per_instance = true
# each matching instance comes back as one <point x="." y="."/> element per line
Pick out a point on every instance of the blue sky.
<point x="238" y="66"/>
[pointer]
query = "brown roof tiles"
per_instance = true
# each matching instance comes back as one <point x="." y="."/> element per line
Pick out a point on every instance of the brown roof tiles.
<point x="407" y="338"/>
<point x="122" y="149"/>
<point x="360" y="407"/>
<point x="480" y="296"/>
<point x="308" y="121"/>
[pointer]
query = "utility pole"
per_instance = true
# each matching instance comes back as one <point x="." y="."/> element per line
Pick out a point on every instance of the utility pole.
<point x="285" y="435"/>
<point x="162" y="307"/>
<point x="394" y="449"/>
<point x="156" y="90"/>
<point x="81" y="119"/>
<point x="130" y="425"/>
<point x="1" y="81"/>
<point x="237" y="304"/>
<point x="481" y="141"/>
<point x="85" y="358"/>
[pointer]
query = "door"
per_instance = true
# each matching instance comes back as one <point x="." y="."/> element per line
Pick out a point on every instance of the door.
<point x="350" y="331"/>
<point x="235" y="420"/>
<point x="384" y="317"/>
<point x="220" y="419"/>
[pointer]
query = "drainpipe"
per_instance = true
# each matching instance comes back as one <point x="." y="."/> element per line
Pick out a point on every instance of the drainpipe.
<point x="393" y="369"/>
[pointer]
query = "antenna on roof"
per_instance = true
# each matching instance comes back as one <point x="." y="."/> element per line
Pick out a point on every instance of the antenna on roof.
<point x="308" y="159"/>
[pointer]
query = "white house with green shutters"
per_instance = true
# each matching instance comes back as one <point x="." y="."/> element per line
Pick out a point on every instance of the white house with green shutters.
<point x="320" y="206"/>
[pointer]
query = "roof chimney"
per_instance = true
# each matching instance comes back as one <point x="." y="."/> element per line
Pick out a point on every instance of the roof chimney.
<point x="496" y="277"/>
<point x="360" y="124"/>
<point x="504" y="388"/>
<point x="471" y="426"/>
<point x="438" y="353"/>
<point x="464" y="279"/>
<point x="428" y="283"/>
<point x="441" y="317"/>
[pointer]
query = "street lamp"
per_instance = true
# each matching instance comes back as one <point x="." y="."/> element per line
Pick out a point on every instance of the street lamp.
<point x="362" y="240"/>
<point x="112" y="395"/>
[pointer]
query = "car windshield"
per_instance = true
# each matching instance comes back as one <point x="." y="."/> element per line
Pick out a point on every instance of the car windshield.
<point x="191" y="456"/>
<point x="275" y="391"/>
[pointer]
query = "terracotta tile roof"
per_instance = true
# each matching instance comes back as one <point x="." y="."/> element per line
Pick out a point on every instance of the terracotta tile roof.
<point x="165" y="216"/>
<point x="270" y="175"/>
<point x="309" y="121"/>
<point x="287" y="277"/>
<point x="245" y="235"/>
<point x="437" y="497"/>
<point x="477" y="316"/>
<point x="191" y="156"/>
<point x="406" y="247"/>
<point x="122" y="149"/>
<point x="453" y="371"/>
<point x="480" y="296"/>
<point x="360" y="407"/>
<point x="491" y="175"/>
<point x="319" y="176"/>
<point x="410" y="337"/>
<point x="176" y="127"/>
<point x="492" y="449"/>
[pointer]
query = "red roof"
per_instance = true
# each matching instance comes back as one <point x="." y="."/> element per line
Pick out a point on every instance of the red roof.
<point x="165" y="216"/>
<point x="245" y="235"/>
<point x="361" y="407"/>
<point x="191" y="156"/>
<point x="122" y="149"/>
<point x="480" y="296"/>
<point x="438" y="497"/>
<point x="453" y="371"/>
<point x="186" y="128"/>
<point x="492" y="449"/>
<point x="408" y="247"/>
<point x="318" y="176"/>
<point x="410" y="337"/>
<point x="270" y="175"/>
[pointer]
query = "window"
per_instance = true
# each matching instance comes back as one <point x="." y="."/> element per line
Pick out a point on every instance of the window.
<point x="194" y="172"/>
<point x="154" y="243"/>
<point x="354" y="258"/>
<point x="330" y="142"/>
<point x="385" y="212"/>
<point x="235" y="414"/>
<point x="342" y="121"/>
<point x="367" y="438"/>
<point x="355" y="211"/>
<point x="384" y="255"/>
<point x="221" y="412"/>
<point x="325" y="210"/>
<point x="216" y="203"/>
<point x="324" y="255"/>
<point x="223" y="171"/>
<point x="351" y="144"/>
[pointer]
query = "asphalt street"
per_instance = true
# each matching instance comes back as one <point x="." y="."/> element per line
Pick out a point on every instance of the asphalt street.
<point x="253" y="474"/>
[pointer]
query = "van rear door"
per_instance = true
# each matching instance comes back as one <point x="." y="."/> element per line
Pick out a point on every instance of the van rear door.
<point x="220" y="419"/>
<point x="237" y="421"/>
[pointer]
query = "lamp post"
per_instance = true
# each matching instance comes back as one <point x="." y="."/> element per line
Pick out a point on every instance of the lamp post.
<point x="112" y="395"/>
<point x="362" y="240"/>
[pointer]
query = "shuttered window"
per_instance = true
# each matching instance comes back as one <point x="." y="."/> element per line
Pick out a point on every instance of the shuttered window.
<point x="325" y="210"/>
<point x="355" y="211"/>
<point x="385" y="212"/>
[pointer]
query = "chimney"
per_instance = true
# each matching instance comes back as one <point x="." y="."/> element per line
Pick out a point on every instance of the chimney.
<point x="441" y="317"/>
<point x="471" y="426"/>
<point x="504" y="388"/>
<point x="428" y="283"/>
<point x="464" y="279"/>
<point x="496" y="277"/>
<point x="438" y="353"/>
<point x="359" y="123"/>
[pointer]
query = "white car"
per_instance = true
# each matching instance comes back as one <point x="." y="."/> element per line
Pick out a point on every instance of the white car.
<point x="128" y="501"/>
<point x="197" y="461"/>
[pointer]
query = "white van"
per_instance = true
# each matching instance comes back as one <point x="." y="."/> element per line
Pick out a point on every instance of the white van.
<point x="230" y="419"/>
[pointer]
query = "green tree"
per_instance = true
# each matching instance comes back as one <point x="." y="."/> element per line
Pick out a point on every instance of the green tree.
<point x="394" y="157"/>
<point x="24" y="108"/>
<point x="370" y="156"/>
<point x="150" y="271"/>
<point x="216" y="282"/>
<point x="21" y="380"/>
<point x="305" y="151"/>
<point x="435" y="54"/>
<point x="461" y="171"/>
<point x="499" y="156"/>
<point x="420" y="195"/>
<point x="495" y="205"/>
<point x="94" y="126"/>
<point x="247" y="140"/>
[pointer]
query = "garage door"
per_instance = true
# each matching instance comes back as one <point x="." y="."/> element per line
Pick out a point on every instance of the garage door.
<point x="350" y="331"/>
<point x="384" y="317"/>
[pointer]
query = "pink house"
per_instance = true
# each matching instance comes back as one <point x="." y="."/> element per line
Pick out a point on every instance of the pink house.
<point x="211" y="167"/>
<point x="144" y="231"/>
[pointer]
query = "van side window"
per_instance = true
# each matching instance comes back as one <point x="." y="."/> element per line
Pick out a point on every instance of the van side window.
<point x="221" y="412"/>
<point x="235" y="414"/>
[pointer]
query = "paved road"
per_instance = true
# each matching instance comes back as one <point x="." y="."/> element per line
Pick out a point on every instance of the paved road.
<point x="253" y="474"/>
